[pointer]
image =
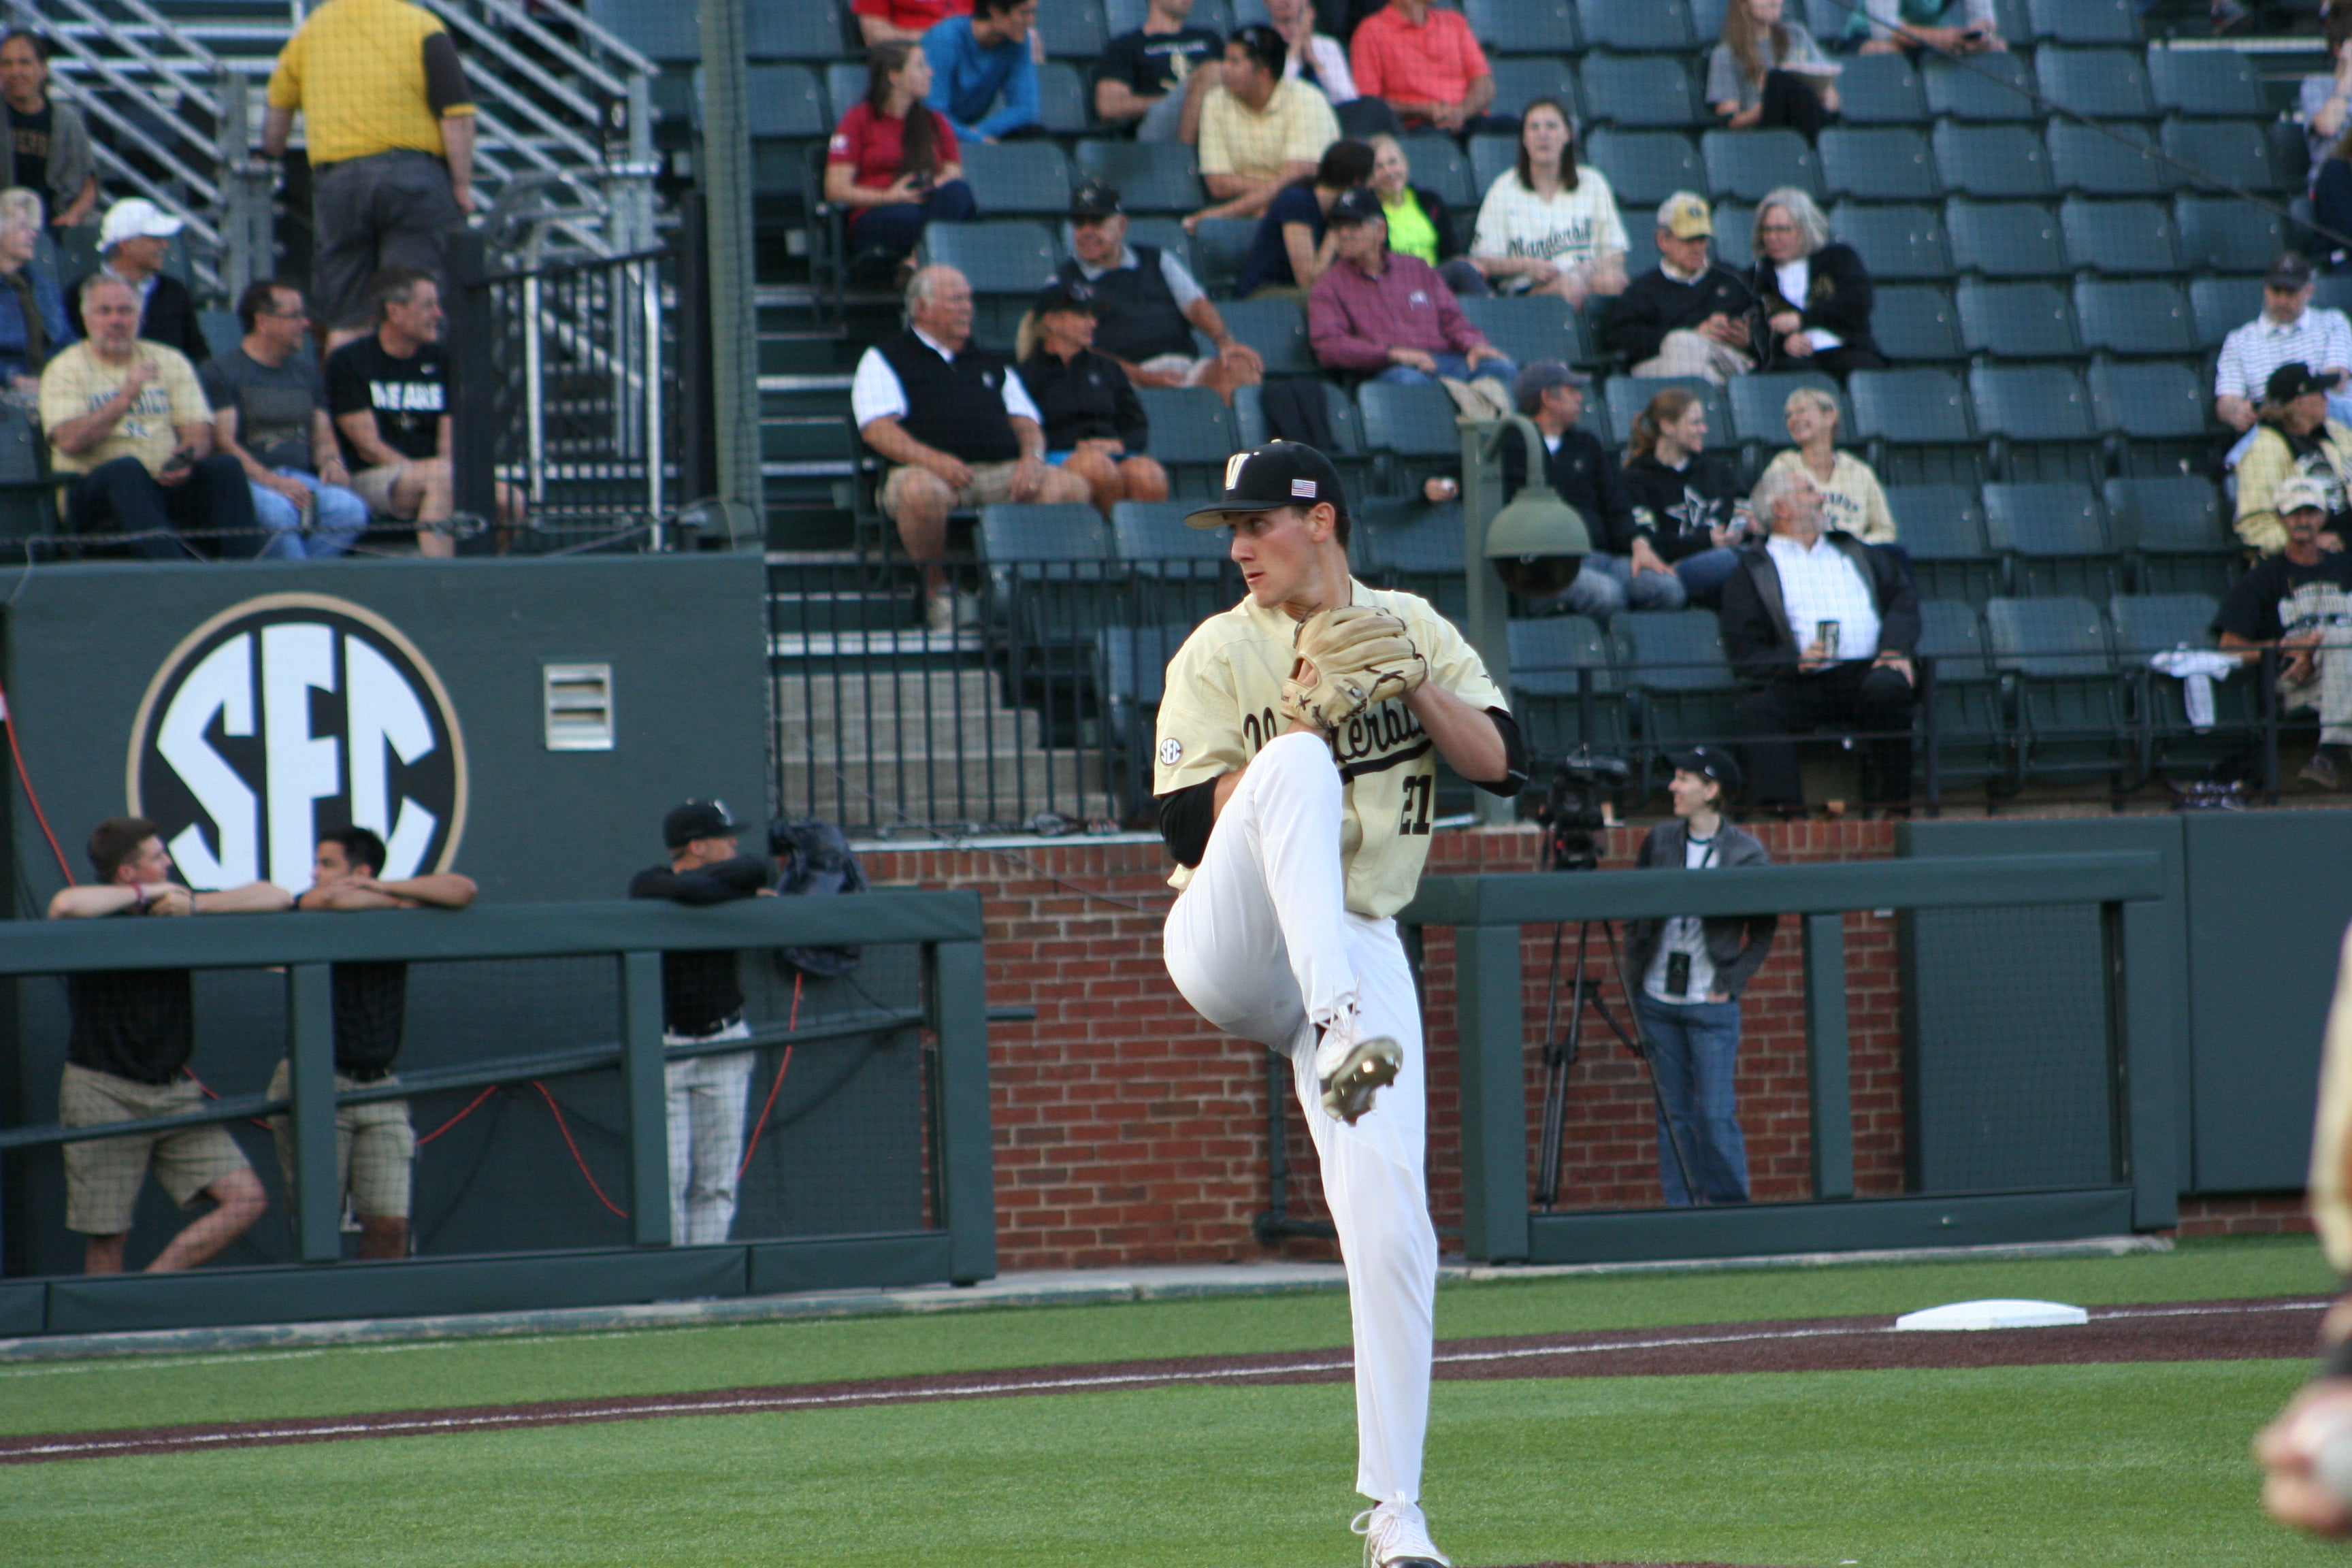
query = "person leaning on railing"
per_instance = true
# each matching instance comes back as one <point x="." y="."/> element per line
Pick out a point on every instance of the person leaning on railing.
<point x="126" y="1060"/>
<point x="2294" y="435"/>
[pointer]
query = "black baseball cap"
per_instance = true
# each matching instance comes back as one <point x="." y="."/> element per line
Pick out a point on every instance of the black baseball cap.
<point x="697" y="819"/>
<point x="2290" y="271"/>
<point x="2293" y="380"/>
<point x="1280" y="473"/>
<point x="1357" y="203"/>
<point x="1095" y="198"/>
<point x="1709" y="762"/>
<point x="1072" y="294"/>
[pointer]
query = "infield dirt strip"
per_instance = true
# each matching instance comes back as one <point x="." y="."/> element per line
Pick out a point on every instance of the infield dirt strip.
<point x="2200" y="1330"/>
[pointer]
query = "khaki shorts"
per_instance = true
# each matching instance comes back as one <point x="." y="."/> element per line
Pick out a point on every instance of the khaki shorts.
<point x="376" y="1145"/>
<point x="374" y="487"/>
<point x="990" y="483"/>
<point x="103" y="1176"/>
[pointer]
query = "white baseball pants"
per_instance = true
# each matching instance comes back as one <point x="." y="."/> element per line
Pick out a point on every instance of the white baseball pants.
<point x="1262" y="946"/>
<point x="706" y="1136"/>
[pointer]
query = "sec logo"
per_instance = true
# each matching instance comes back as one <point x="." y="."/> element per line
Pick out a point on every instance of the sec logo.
<point x="1171" y="752"/>
<point x="284" y="717"/>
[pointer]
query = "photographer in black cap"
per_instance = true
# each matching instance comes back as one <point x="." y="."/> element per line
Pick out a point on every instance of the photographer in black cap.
<point x="702" y="1000"/>
<point x="1691" y="974"/>
<point x="1095" y="424"/>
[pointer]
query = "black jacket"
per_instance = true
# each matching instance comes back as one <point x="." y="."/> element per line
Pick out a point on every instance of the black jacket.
<point x="1585" y="475"/>
<point x="1654" y="304"/>
<point x="1673" y="509"/>
<point x="1736" y="945"/>
<point x="1838" y="295"/>
<point x="1755" y="621"/>
<point x="1088" y="399"/>
<point x="169" y="317"/>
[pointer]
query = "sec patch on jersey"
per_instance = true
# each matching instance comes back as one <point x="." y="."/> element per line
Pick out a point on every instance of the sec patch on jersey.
<point x="1171" y="752"/>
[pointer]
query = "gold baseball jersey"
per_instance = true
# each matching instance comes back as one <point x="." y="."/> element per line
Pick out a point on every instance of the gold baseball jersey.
<point x="1223" y="701"/>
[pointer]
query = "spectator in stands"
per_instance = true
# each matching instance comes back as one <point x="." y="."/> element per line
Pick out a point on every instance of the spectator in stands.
<point x="1095" y="425"/>
<point x="958" y="427"/>
<point x="132" y="247"/>
<point x="893" y="160"/>
<point x="1688" y="315"/>
<point x="1155" y="77"/>
<point x="388" y="393"/>
<point x="2324" y="98"/>
<point x="981" y="59"/>
<point x="1693" y="972"/>
<point x="1258" y="132"/>
<point x="2331" y="201"/>
<point x="2290" y="330"/>
<point x="1815" y="294"/>
<point x="2299" y="601"/>
<point x="1827" y="626"/>
<point x="1582" y="472"/>
<point x="1420" y="223"/>
<point x="1690" y="514"/>
<point x="1547" y="225"/>
<point x="44" y="145"/>
<point x="376" y="1145"/>
<point x="1851" y="500"/>
<point x="1946" y="26"/>
<point x="390" y="125"/>
<point x="1391" y="317"/>
<point x="1427" y="64"/>
<point x="126" y="1060"/>
<point x="702" y="1003"/>
<point x="1768" y="72"/>
<point x="270" y="413"/>
<point x="130" y="437"/>
<point x="33" y="323"/>
<point x="1293" y="245"/>
<point x="902" y="21"/>
<point x="1149" y="304"/>
<point x="1316" y="59"/>
<point x="2295" y="437"/>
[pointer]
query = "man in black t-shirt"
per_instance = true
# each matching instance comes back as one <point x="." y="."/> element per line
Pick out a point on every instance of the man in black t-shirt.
<point x="376" y="1145"/>
<point x="702" y="1001"/>
<point x="2300" y="602"/>
<point x="134" y="1031"/>
<point x="1152" y="78"/>
<point x="389" y="395"/>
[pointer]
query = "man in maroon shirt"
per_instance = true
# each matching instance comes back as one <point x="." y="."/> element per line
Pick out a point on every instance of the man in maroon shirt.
<point x="1389" y="316"/>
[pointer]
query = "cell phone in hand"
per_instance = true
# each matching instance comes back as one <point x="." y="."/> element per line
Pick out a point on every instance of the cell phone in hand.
<point x="178" y="463"/>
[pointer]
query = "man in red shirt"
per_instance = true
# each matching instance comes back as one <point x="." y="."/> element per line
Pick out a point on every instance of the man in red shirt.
<point x="1391" y="317"/>
<point x="1428" y="65"/>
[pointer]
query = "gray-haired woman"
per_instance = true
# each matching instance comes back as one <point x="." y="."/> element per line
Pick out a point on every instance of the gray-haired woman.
<point x="1815" y="294"/>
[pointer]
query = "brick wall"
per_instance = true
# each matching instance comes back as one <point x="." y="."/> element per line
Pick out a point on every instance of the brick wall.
<point x="1129" y="1132"/>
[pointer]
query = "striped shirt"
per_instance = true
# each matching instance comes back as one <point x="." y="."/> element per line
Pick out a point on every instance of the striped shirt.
<point x="2318" y="338"/>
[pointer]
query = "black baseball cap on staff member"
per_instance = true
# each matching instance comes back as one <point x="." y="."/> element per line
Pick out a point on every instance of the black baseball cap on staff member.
<point x="1709" y="762"/>
<point x="697" y="819"/>
<point x="1072" y="295"/>
<point x="1280" y="473"/>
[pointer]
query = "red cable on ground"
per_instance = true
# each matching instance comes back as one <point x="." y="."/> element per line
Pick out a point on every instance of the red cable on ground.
<point x="8" y="715"/>
<point x="793" y="1022"/>
<point x="459" y="1117"/>
<point x="563" y="1127"/>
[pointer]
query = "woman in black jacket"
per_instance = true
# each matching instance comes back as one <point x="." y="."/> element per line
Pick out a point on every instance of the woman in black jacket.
<point x="1690" y="510"/>
<point x="1815" y="296"/>
<point x="1095" y="424"/>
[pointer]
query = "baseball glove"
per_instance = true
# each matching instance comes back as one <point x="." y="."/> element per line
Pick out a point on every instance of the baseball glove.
<point x="1349" y="658"/>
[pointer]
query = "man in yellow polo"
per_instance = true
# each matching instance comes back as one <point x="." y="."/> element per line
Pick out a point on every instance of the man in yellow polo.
<point x="391" y="132"/>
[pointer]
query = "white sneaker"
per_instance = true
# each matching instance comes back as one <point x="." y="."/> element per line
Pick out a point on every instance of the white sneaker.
<point x="1351" y="1068"/>
<point x="967" y="609"/>
<point x="939" y="613"/>
<point x="1396" y="1536"/>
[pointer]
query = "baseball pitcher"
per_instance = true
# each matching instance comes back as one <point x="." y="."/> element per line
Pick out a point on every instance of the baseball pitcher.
<point x="1295" y="770"/>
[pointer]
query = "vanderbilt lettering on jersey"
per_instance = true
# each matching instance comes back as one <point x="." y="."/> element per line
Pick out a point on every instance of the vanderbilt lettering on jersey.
<point x="1222" y="706"/>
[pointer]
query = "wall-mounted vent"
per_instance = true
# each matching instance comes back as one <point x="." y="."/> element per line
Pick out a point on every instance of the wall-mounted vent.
<point x="578" y="706"/>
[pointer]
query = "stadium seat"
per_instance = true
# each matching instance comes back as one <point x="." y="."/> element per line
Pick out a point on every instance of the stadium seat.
<point x="2161" y="411"/>
<point x="2016" y="320"/>
<point x="1154" y="533"/>
<point x="1951" y="631"/>
<point x="1348" y="453"/>
<point x="2005" y="239"/>
<point x="1519" y="82"/>
<point x="1707" y="21"/>
<point x="1644" y="167"/>
<point x="1221" y="245"/>
<point x="1410" y="421"/>
<point x="2146" y="624"/>
<point x="1014" y="256"/>
<point x="1683" y="688"/>
<point x="2068" y="703"/>
<point x="1970" y="730"/>
<point x="1438" y="165"/>
<point x="2055" y="537"/>
<point x="667" y="35"/>
<point x="2176" y="532"/>
<point x="2150" y="622"/>
<point x="2041" y="417"/>
<point x="1941" y="527"/>
<point x="1636" y="27"/>
<point x="221" y="330"/>
<point x="1165" y="232"/>
<point x="1072" y="31"/>
<point x="1489" y="157"/>
<point x="2142" y="316"/>
<point x="785" y="100"/>
<point x="1896" y="243"/>
<point x="845" y="85"/>
<point x="1130" y="674"/>
<point x="1531" y="327"/>
<point x="2219" y="306"/>
<point x="1881" y="165"/>
<point x="1916" y="321"/>
<point x="1407" y="544"/>
<point x="2211" y="84"/>
<point x="1048" y="568"/>
<point x="1192" y="433"/>
<point x="2084" y="21"/>
<point x="1918" y="427"/>
<point x="2234" y="151"/>
<point x="1276" y="329"/>
<point x="1734" y="231"/>
<point x="1018" y="177"/>
<point x="2119" y="237"/>
<point x="1638" y="91"/>
<point x="1748" y="163"/>
<point x="1982" y="88"/>
<point x="1881" y="89"/>
<point x="2106" y="160"/>
<point x="1991" y="160"/>
<point x="20" y="449"/>
<point x="2103" y="84"/>
<point x="1152" y="176"/>
<point x="1759" y="404"/>
<point x="2223" y="234"/>
<point x="793" y="30"/>
<point x="1524" y="27"/>
<point x="1064" y="105"/>
<point x="1550" y="698"/>
<point x="1022" y="532"/>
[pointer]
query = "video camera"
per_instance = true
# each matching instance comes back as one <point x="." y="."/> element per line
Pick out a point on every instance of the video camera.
<point x="1575" y="807"/>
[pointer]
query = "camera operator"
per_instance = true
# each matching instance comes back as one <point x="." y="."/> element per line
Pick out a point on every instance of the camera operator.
<point x="1693" y="972"/>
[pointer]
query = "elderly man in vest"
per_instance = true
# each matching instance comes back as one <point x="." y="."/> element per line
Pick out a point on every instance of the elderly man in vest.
<point x="1150" y="304"/>
<point x="957" y="427"/>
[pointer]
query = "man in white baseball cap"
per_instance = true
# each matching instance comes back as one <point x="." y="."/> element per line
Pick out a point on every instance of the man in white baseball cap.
<point x="132" y="244"/>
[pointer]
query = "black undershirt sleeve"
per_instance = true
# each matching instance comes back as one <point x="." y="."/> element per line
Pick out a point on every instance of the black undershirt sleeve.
<point x="1185" y="817"/>
<point x="445" y="77"/>
<point x="1515" y="756"/>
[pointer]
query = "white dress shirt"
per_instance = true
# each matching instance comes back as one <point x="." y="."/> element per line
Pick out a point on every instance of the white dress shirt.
<point x="877" y="393"/>
<point x="1823" y="584"/>
<point x="2318" y="338"/>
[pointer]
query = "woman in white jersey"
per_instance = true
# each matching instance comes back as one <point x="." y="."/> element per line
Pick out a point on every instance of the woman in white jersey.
<point x="1688" y="975"/>
<point x="1547" y="225"/>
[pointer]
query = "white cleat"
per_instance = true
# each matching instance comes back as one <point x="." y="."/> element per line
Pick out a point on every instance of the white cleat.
<point x="1396" y="1536"/>
<point x="1351" y="1068"/>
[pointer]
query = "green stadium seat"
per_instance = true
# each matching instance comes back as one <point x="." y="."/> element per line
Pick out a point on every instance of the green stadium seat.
<point x="1531" y="327"/>
<point x="2039" y="416"/>
<point x="1951" y="632"/>
<point x="1130" y="675"/>
<point x="1439" y="166"/>
<point x="667" y="35"/>
<point x="793" y="30"/>
<point x="1917" y="425"/>
<point x="1347" y="452"/>
<point x="2223" y="234"/>
<point x="1048" y="567"/>
<point x="2160" y="409"/>
<point x="1759" y="403"/>
<point x="1010" y="256"/>
<point x="1064" y="105"/>
<point x="1519" y="82"/>
<point x="1490" y="156"/>
<point x="2119" y="237"/>
<point x="1221" y="245"/>
<point x="2219" y="306"/>
<point x="2069" y="706"/>
<point x="1276" y="329"/>
<point x="2176" y="530"/>
<point x="1073" y="29"/>
<point x="1409" y="421"/>
<point x="1643" y="168"/>
<point x="845" y="85"/>
<point x="1970" y="729"/>
<point x="1881" y="89"/>
<point x="2017" y="320"/>
<point x="20" y="449"/>
<point x="1192" y="433"/>
<point x="1916" y="323"/>
<point x="1888" y="164"/>
<point x="1897" y="243"/>
<point x="2005" y="239"/>
<point x="2150" y="624"/>
<point x="2138" y="316"/>
<point x="1146" y="533"/>
<point x="1995" y="162"/>
<point x="1524" y="27"/>
<point x="2233" y="151"/>
<point x="1748" y="163"/>
<point x="1941" y="527"/>
<point x="2103" y="84"/>
<point x="1636" y="27"/>
<point x="1405" y="543"/>
<point x="1152" y="176"/>
<point x="1984" y="88"/>
<point x="1011" y="178"/>
<point x="1166" y="233"/>
<point x="2111" y="159"/>
<point x="2083" y="21"/>
<point x="1639" y="91"/>
<point x="785" y="100"/>
<point x="2053" y="536"/>
<point x="2212" y="84"/>
<point x="1683" y="686"/>
<point x="1558" y="707"/>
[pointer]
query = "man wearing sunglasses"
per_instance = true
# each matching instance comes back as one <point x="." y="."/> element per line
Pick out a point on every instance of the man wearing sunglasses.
<point x="270" y="413"/>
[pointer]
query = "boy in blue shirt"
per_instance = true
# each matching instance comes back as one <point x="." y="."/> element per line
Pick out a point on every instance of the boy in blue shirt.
<point x="977" y="57"/>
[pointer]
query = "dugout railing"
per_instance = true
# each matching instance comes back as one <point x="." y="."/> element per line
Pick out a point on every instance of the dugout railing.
<point x="953" y="1238"/>
<point x="1499" y="1013"/>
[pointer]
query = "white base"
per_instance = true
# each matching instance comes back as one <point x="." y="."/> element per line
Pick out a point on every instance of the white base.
<point x="2002" y="1314"/>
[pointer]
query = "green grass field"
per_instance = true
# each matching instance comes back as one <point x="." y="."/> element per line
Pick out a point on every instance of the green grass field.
<point x="2125" y="1464"/>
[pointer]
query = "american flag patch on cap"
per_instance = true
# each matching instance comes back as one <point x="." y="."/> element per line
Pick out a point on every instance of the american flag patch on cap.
<point x="1303" y="488"/>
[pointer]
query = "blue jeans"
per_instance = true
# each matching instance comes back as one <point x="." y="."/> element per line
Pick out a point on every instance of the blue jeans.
<point x="338" y="517"/>
<point x="1694" y="1049"/>
<point x="1454" y="365"/>
<point x="898" y="228"/>
<point x="1609" y="584"/>
<point x="1705" y="574"/>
